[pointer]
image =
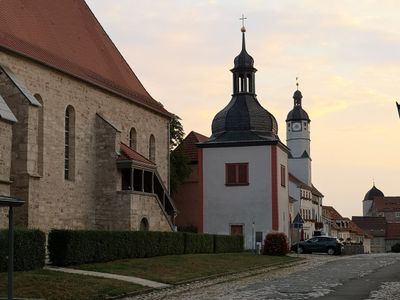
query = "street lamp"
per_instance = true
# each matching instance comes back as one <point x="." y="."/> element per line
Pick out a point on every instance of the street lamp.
<point x="10" y="203"/>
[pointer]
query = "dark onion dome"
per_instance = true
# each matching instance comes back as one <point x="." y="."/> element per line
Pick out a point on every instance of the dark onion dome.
<point x="244" y="119"/>
<point x="297" y="113"/>
<point x="372" y="193"/>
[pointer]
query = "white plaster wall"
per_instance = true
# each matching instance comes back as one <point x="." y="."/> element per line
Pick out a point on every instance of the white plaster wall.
<point x="225" y="205"/>
<point x="283" y="192"/>
<point x="301" y="168"/>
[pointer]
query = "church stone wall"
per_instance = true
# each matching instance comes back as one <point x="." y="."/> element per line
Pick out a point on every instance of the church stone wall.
<point x="60" y="203"/>
<point x="5" y="167"/>
<point x="132" y="207"/>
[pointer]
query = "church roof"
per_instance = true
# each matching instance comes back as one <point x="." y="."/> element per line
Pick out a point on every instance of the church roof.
<point x="68" y="38"/>
<point x="127" y="153"/>
<point x="297" y="113"/>
<point x="188" y="145"/>
<point x="5" y="112"/>
<point x="372" y="193"/>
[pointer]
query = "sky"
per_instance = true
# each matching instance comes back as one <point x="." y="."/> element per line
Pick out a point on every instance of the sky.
<point x="346" y="54"/>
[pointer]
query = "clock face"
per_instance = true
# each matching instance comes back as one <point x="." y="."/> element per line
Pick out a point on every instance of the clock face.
<point x="296" y="126"/>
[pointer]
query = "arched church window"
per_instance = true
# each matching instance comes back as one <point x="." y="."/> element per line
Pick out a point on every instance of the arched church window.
<point x="132" y="138"/>
<point x="144" y="225"/>
<point x="40" y="135"/>
<point x="152" y="148"/>
<point x="69" y="146"/>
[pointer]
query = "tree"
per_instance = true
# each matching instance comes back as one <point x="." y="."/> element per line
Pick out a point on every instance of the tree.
<point x="179" y="165"/>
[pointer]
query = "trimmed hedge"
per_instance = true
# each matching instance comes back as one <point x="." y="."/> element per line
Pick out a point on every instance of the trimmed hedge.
<point x="199" y="243"/>
<point x="72" y="247"/>
<point x="228" y="243"/>
<point x="69" y="247"/>
<point x="276" y="244"/>
<point x="29" y="249"/>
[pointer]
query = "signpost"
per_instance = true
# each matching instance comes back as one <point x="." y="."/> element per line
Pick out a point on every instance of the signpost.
<point x="298" y="223"/>
<point x="10" y="203"/>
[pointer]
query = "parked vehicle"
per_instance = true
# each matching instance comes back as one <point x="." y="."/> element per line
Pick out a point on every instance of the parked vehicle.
<point x="324" y="244"/>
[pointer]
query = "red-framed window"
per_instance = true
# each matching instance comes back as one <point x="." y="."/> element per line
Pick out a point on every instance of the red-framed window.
<point x="283" y="175"/>
<point x="237" y="174"/>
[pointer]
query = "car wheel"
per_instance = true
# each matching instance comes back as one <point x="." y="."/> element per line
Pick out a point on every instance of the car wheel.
<point x="300" y="250"/>
<point x="331" y="251"/>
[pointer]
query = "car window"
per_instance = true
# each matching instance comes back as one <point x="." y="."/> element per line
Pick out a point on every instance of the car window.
<point x="313" y="240"/>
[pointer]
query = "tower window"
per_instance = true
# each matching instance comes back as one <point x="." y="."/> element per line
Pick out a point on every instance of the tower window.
<point x="237" y="174"/>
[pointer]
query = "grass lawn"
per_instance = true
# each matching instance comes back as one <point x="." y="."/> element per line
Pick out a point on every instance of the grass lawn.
<point x="52" y="285"/>
<point x="177" y="268"/>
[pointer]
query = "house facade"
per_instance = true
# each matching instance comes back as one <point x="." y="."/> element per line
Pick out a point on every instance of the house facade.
<point x="89" y="146"/>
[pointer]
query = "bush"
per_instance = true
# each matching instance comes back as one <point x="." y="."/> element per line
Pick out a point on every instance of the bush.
<point x="199" y="243"/>
<point x="29" y="249"/>
<point x="228" y="243"/>
<point x="396" y="248"/>
<point x="275" y="244"/>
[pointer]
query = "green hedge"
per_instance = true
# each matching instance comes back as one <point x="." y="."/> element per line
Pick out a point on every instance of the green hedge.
<point x="199" y="243"/>
<point x="68" y="247"/>
<point x="396" y="248"/>
<point x="29" y="249"/>
<point x="227" y="243"/>
<point x="72" y="247"/>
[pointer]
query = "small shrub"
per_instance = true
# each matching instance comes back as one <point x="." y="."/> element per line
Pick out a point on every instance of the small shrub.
<point x="396" y="248"/>
<point x="228" y="243"/>
<point x="275" y="244"/>
<point x="199" y="243"/>
<point x="29" y="249"/>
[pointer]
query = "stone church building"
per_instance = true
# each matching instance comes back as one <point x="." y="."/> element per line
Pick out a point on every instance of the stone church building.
<point x="81" y="140"/>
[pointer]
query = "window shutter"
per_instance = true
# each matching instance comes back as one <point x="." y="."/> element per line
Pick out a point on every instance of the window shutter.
<point x="230" y="174"/>
<point x="243" y="174"/>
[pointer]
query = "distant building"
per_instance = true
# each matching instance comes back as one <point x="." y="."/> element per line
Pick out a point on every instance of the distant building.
<point x="188" y="197"/>
<point x="380" y="214"/>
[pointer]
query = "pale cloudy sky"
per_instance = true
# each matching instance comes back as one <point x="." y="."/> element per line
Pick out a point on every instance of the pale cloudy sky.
<point x="345" y="52"/>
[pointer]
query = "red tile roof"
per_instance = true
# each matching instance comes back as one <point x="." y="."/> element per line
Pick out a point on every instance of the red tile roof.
<point x="67" y="36"/>
<point x="356" y="229"/>
<point x="188" y="145"/>
<point x="386" y="204"/>
<point x="330" y="213"/>
<point x="128" y="153"/>
<point x="393" y="231"/>
<point x="375" y="226"/>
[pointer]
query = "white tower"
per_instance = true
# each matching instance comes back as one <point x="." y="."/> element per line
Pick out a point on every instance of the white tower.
<point x="298" y="140"/>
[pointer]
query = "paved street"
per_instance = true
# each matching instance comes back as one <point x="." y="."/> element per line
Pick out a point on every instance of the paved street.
<point x="324" y="277"/>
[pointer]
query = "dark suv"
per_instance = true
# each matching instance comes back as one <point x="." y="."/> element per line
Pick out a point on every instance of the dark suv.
<point x="319" y="244"/>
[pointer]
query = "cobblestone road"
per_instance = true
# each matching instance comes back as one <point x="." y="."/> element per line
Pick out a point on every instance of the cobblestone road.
<point x="321" y="276"/>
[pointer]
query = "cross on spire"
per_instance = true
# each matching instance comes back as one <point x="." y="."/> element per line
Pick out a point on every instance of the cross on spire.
<point x="242" y="19"/>
<point x="297" y="82"/>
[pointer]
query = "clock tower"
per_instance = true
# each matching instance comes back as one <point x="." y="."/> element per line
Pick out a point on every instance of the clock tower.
<point x="298" y="140"/>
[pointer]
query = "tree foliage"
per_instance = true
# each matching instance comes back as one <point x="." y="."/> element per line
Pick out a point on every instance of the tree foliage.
<point x="179" y="165"/>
